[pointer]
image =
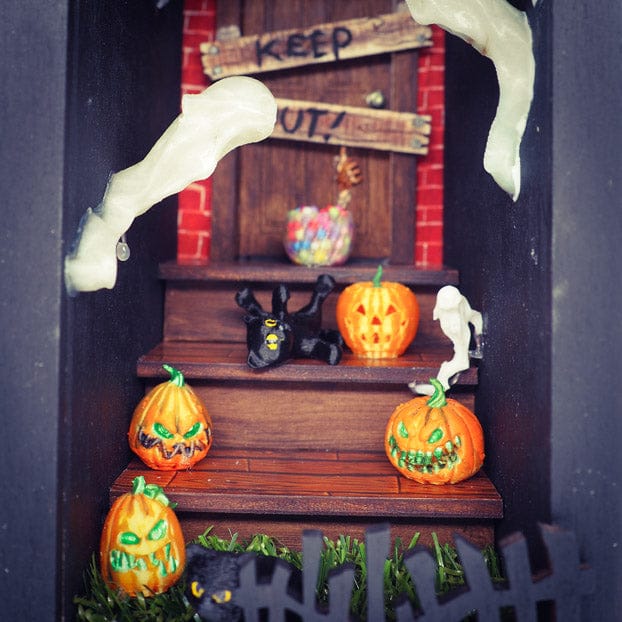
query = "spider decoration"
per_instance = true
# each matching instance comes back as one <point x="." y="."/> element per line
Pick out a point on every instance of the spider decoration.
<point x="273" y="338"/>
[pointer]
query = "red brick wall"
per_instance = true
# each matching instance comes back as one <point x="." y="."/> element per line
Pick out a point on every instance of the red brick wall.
<point x="194" y="216"/>
<point x="431" y="100"/>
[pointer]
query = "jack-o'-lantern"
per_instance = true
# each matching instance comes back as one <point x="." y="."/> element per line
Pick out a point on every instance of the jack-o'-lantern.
<point x="435" y="440"/>
<point x="142" y="548"/>
<point x="171" y="428"/>
<point x="377" y="319"/>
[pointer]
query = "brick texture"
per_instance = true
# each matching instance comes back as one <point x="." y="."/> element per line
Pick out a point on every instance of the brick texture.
<point x="194" y="213"/>
<point x="431" y="100"/>
<point x="194" y="216"/>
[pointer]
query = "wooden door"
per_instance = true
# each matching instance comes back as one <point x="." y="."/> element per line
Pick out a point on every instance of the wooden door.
<point x="256" y="185"/>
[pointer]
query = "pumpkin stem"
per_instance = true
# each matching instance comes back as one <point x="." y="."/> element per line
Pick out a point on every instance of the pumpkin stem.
<point x="438" y="397"/>
<point x="138" y="485"/>
<point x="153" y="491"/>
<point x="377" y="277"/>
<point x="177" y="378"/>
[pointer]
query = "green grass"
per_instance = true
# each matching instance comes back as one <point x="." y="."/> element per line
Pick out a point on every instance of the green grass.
<point x="101" y="604"/>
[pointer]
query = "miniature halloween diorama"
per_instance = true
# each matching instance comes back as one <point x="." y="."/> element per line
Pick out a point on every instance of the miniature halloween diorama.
<point x="378" y="319"/>
<point x="502" y="33"/>
<point x="171" y="428"/>
<point x="435" y="440"/>
<point x="274" y="337"/>
<point x="142" y="547"/>
<point x="323" y="237"/>
<point x="454" y="313"/>
<point x="229" y="113"/>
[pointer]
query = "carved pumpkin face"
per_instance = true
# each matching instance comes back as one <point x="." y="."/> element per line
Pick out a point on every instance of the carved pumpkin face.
<point x="171" y="429"/>
<point x="377" y="320"/>
<point x="435" y="440"/>
<point x="142" y="548"/>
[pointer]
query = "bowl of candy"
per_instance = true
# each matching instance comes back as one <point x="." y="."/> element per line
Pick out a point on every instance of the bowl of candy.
<point x="317" y="236"/>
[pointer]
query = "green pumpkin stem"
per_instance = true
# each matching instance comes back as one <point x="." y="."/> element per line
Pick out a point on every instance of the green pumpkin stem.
<point x="153" y="491"/>
<point x="177" y="378"/>
<point x="377" y="277"/>
<point x="438" y="397"/>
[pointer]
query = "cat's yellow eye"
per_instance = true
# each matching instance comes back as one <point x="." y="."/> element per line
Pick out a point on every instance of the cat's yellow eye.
<point x="196" y="589"/>
<point x="224" y="596"/>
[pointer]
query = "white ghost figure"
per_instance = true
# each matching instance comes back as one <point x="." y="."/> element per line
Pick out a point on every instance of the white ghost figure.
<point x="226" y="115"/>
<point x="502" y="33"/>
<point x="454" y="313"/>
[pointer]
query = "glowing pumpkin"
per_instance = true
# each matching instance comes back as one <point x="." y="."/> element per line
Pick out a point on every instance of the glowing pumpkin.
<point x="435" y="440"/>
<point x="171" y="428"/>
<point x="142" y="548"/>
<point x="377" y="320"/>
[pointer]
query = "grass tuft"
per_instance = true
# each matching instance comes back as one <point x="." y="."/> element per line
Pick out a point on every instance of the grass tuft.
<point x="100" y="603"/>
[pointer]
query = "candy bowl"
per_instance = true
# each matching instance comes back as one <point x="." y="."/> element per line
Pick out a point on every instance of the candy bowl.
<point x="319" y="237"/>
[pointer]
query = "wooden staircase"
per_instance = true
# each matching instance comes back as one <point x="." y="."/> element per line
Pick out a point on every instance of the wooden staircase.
<point x="301" y="446"/>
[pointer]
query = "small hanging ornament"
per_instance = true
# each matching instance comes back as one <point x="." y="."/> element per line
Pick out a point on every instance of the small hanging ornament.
<point x="323" y="237"/>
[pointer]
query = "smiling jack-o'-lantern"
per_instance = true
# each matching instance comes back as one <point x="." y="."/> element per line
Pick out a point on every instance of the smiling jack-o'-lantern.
<point x="171" y="429"/>
<point x="377" y="319"/>
<point x="142" y="548"/>
<point x="435" y="440"/>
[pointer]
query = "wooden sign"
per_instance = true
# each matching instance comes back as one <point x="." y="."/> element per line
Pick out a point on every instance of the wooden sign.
<point x="323" y="43"/>
<point x="385" y="130"/>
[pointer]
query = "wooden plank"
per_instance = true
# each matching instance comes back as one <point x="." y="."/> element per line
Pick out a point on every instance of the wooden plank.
<point x="204" y="360"/>
<point x="209" y="313"/>
<point x="286" y="272"/>
<point x="402" y="168"/>
<point x="291" y="489"/>
<point x="295" y="417"/>
<point x="288" y="530"/>
<point x="325" y="123"/>
<point x="321" y="43"/>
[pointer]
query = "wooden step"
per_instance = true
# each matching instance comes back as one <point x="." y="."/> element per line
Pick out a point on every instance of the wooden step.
<point x="208" y="360"/>
<point x="275" y="271"/>
<point x="200" y="300"/>
<point x="287" y="491"/>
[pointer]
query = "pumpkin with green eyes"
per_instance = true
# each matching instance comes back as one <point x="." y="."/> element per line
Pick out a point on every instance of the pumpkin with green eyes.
<point x="142" y="548"/>
<point x="171" y="428"/>
<point x="435" y="440"/>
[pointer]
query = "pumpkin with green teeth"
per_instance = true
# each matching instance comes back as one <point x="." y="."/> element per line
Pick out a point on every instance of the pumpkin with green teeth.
<point x="171" y="428"/>
<point x="435" y="440"/>
<point x="142" y="548"/>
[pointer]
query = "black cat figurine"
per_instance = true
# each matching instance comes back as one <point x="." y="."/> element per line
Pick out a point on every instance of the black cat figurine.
<point x="212" y="578"/>
<point x="274" y="337"/>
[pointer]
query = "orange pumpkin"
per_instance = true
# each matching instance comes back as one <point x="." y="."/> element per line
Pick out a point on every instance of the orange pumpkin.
<point x="435" y="440"/>
<point x="377" y="319"/>
<point x="142" y="548"/>
<point x="171" y="428"/>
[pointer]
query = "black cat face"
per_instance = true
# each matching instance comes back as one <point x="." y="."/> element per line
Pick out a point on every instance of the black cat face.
<point x="269" y="341"/>
<point x="211" y="580"/>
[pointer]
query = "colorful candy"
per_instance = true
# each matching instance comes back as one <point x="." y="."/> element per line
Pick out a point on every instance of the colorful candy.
<point x="319" y="237"/>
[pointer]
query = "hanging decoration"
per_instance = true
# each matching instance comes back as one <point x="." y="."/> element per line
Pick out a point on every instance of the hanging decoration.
<point x="502" y="33"/>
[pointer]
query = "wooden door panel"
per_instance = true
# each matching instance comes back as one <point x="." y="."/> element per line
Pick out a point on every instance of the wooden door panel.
<point x="252" y="196"/>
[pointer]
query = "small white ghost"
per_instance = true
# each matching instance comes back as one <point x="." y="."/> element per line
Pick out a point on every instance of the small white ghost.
<point x="454" y="313"/>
